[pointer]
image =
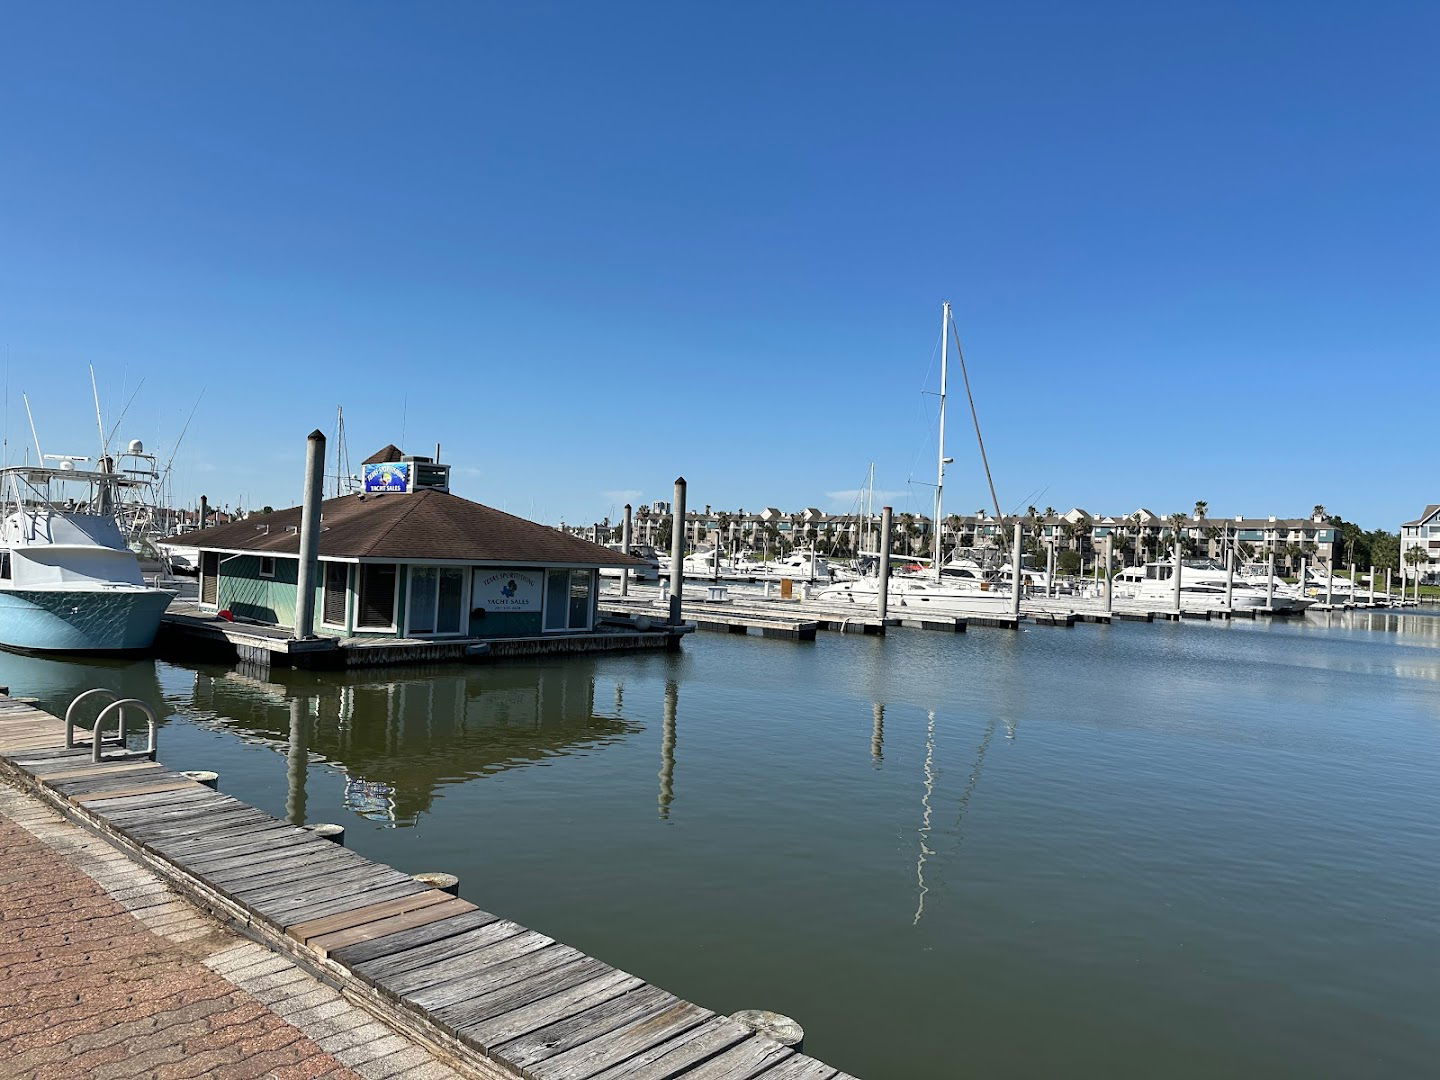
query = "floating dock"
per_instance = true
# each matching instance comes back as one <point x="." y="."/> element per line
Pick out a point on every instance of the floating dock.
<point x="188" y="632"/>
<point x="495" y="998"/>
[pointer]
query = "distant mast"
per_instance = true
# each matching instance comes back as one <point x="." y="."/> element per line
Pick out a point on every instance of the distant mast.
<point x="941" y="459"/>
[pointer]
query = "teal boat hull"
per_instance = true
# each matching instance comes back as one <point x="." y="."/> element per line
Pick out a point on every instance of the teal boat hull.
<point x="80" y="620"/>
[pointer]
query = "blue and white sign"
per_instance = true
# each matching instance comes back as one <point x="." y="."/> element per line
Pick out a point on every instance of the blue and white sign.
<point x="386" y="476"/>
<point x="507" y="590"/>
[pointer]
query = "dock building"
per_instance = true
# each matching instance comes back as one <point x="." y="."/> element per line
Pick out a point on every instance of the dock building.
<point x="405" y="558"/>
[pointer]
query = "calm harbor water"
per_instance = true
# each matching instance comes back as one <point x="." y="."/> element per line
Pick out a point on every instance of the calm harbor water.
<point x="1185" y="850"/>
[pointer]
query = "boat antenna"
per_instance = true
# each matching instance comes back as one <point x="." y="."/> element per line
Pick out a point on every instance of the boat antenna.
<point x="130" y="401"/>
<point x="39" y="457"/>
<point x="99" y="423"/>
<point x="165" y="474"/>
<point x="984" y="460"/>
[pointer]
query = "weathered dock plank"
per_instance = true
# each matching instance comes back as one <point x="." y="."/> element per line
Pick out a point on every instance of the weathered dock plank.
<point x="672" y="1057"/>
<point x="435" y="964"/>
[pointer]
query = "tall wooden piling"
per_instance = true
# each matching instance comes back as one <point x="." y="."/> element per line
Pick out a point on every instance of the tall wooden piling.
<point x="887" y="518"/>
<point x="626" y="534"/>
<point x="1015" y="572"/>
<point x="677" y="551"/>
<point x="1230" y="578"/>
<point x="309" y="574"/>
<point x="1270" y="578"/>
<point x="1109" y="574"/>
<point x="1179" y="565"/>
<point x="1372" y="584"/>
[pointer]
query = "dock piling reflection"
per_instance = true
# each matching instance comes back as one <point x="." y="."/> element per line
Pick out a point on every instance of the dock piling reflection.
<point x="667" y="748"/>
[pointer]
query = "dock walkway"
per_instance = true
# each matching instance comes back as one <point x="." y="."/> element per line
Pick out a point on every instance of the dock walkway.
<point x="106" y="972"/>
<point x="486" y="993"/>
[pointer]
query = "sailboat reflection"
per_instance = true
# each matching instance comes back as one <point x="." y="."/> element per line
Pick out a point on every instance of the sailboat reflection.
<point x="924" y="830"/>
<point x="929" y="774"/>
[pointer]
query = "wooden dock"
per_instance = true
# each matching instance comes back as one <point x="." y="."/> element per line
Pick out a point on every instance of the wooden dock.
<point x="493" y="997"/>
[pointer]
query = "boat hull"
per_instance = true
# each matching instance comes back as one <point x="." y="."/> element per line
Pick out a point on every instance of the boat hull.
<point x="80" y="620"/>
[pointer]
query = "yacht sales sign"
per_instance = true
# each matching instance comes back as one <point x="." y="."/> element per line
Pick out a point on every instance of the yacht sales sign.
<point x="507" y="590"/>
<point x="385" y="476"/>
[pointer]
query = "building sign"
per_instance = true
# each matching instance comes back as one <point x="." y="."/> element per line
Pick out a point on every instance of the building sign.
<point x="384" y="476"/>
<point x="507" y="590"/>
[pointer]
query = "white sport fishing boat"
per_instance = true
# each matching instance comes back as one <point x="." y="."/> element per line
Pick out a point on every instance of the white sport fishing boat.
<point x="68" y="580"/>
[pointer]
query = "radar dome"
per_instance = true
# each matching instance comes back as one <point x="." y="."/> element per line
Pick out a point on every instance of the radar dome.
<point x="67" y="465"/>
<point x="136" y="446"/>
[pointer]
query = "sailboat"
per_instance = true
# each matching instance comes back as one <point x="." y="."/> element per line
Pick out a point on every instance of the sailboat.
<point x="934" y="588"/>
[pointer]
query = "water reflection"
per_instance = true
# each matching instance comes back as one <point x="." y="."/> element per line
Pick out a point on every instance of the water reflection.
<point x="297" y="768"/>
<point x="924" y="831"/>
<point x="401" y="735"/>
<point x="58" y="682"/>
<point x="667" y="748"/>
<point x="877" y="732"/>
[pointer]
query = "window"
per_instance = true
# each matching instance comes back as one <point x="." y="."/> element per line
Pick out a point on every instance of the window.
<point x="568" y="599"/>
<point x="267" y="566"/>
<point x="377" y="597"/>
<point x="4" y="564"/>
<point x="209" y="577"/>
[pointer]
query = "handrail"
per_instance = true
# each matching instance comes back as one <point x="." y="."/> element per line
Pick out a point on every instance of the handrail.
<point x="70" y="713"/>
<point x="151" y="722"/>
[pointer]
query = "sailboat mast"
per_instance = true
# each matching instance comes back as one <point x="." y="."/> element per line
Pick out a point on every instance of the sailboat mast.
<point x="940" y="458"/>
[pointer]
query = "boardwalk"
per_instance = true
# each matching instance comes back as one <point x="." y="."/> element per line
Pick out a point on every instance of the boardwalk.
<point x="487" y="993"/>
<point x="105" y="972"/>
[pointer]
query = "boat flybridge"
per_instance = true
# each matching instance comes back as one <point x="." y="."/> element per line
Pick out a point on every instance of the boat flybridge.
<point x="68" y="580"/>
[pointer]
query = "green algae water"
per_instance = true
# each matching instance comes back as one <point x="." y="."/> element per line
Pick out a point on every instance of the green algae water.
<point x="1181" y="850"/>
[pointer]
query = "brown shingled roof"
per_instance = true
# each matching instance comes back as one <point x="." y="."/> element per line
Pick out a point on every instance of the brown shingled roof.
<point x="385" y="454"/>
<point x="426" y="524"/>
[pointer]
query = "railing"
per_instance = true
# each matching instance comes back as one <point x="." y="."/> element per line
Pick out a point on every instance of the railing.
<point x="118" y="706"/>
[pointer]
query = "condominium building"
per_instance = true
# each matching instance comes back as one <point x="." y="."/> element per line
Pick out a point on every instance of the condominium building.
<point x="1422" y="533"/>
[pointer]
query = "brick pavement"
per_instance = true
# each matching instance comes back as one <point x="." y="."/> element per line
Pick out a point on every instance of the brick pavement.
<point x="106" y="974"/>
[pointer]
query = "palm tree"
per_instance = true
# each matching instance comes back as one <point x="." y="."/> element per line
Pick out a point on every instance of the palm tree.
<point x="1201" y="506"/>
<point x="1415" y="556"/>
<point x="906" y="529"/>
<point x="1318" y="511"/>
<point x="1177" y="532"/>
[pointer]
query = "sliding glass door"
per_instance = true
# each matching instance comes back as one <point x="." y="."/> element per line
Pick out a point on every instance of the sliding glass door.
<point x="569" y="599"/>
<point x="437" y="601"/>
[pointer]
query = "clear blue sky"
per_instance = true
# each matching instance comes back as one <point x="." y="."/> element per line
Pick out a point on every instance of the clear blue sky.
<point x="590" y="246"/>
